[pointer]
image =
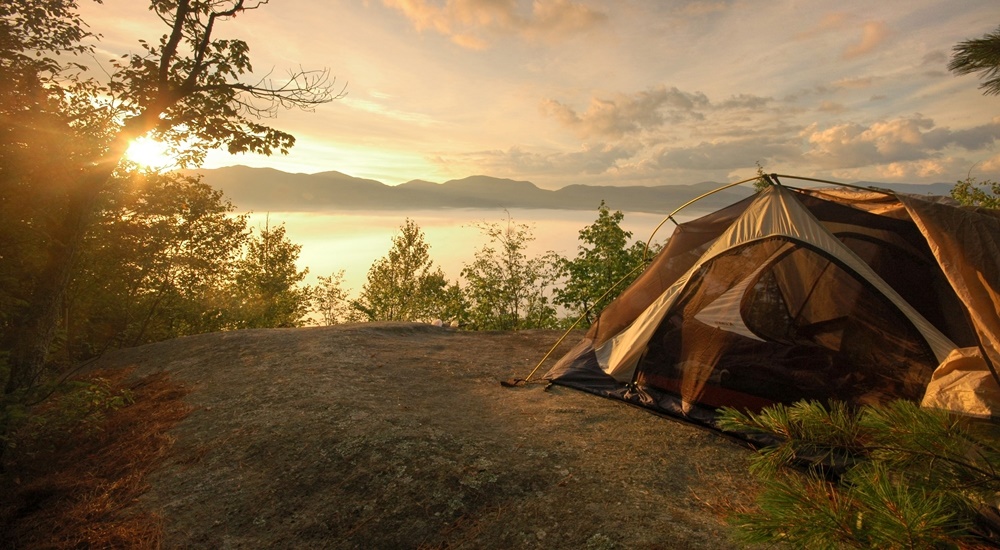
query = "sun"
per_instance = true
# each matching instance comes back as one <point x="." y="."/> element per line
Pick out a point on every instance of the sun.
<point x="150" y="153"/>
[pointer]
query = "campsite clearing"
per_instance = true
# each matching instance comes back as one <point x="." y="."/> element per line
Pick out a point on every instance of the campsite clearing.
<point x="400" y="436"/>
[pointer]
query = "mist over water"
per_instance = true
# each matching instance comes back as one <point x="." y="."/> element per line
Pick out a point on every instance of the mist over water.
<point x="353" y="241"/>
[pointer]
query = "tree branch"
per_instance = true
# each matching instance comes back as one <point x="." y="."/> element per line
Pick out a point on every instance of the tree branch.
<point x="170" y="48"/>
<point x="206" y="41"/>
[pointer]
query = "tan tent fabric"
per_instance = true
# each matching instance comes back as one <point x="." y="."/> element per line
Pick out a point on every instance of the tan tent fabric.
<point x="963" y="384"/>
<point x="966" y="243"/>
<point x="806" y="293"/>
<point x="775" y="212"/>
<point x="687" y="244"/>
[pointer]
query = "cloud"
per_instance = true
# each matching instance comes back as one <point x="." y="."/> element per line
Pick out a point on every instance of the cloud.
<point x="856" y="83"/>
<point x="699" y="8"/>
<point x="594" y="159"/>
<point x="560" y="18"/>
<point x="728" y="155"/>
<point x="936" y="58"/>
<point x="928" y="168"/>
<point x="379" y="108"/>
<point x="873" y="34"/>
<point x="972" y="139"/>
<point x="745" y="101"/>
<point x="991" y="164"/>
<point x="831" y="107"/>
<point x="900" y="149"/>
<point x="591" y="159"/>
<point x="470" y="23"/>
<point x="624" y="114"/>
<point x="422" y="15"/>
<point x="853" y="145"/>
<point x="829" y="23"/>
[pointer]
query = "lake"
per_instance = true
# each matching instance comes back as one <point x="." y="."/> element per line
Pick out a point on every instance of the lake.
<point x="353" y="241"/>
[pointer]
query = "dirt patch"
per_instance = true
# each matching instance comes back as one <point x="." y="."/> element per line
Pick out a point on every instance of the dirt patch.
<point x="400" y="436"/>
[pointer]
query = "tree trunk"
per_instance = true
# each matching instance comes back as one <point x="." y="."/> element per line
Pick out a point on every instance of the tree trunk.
<point x="37" y="327"/>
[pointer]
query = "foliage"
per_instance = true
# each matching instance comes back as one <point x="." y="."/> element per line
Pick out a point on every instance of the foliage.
<point x="77" y="488"/>
<point x="404" y="285"/>
<point x="190" y="89"/>
<point x="331" y="301"/>
<point x="155" y="264"/>
<point x="605" y="261"/>
<point x="763" y="180"/>
<point x="979" y="55"/>
<point x="167" y="257"/>
<point x="889" y="476"/>
<point x="504" y="288"/>
<point x="63" y="134"/>
<point x="266" y="282"/>
<point x="455" y="306"/>
<point x="77" y="407"/>
<point x="970" y="192"/>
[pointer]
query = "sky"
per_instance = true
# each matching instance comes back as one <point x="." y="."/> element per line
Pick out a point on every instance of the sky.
<point x="633" y="92"/>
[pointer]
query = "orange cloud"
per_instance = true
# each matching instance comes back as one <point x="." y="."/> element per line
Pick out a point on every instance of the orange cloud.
<point x="902" y="141"/>
<point x="469" y="23"/>
<point x="873" y="34"/>
<point x="926" y="168"/>
<point x="623" y="114"/>
<point x="991" y="164"/>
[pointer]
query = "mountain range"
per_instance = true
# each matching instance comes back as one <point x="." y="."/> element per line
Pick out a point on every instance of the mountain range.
<point x="267" y="189"/>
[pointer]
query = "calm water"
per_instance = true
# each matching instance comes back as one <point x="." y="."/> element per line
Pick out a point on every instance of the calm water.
<point x="354" y="241"/>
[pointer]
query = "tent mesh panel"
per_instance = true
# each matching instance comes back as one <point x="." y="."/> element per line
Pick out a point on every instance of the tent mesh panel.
<point x="805" y="328"/>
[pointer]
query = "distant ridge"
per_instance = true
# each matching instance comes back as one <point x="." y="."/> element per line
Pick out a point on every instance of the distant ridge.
<point x="267" y="189"/>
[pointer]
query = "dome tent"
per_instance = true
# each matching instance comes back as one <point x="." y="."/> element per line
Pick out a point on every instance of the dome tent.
<point x="861" y="296"/>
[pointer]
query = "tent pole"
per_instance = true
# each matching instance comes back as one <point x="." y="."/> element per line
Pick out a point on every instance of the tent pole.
<point x="642" y="265"/>
<point x="839" y="184"/>
<point x="670" y="216"/>
<point x="986" y="359"/>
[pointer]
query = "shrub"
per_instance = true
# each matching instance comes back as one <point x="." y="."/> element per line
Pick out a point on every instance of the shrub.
<point x="889" y="476"/>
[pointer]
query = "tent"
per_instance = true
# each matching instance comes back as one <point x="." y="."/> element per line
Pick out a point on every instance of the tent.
<point x="857" y="295"/>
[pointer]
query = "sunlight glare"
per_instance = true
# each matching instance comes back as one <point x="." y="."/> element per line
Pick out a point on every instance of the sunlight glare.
<point x="151" y="154"/>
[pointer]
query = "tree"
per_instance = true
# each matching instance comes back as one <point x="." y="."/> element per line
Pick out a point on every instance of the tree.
<point x="604" y="261"/>
<point x="155" y="264"/>
<point x="984" y="193"/>
<point x="505" y="289"/>
<point x="62" y="135"/>
<point x="455" y="306"/>
<point x="404" y="285"/>
<point x="887" y="476"/>
<point x="979" y="55"/>
<point x="331" y="301"/>
<point x="266" y="283"/>
<point x="763" y="180"/>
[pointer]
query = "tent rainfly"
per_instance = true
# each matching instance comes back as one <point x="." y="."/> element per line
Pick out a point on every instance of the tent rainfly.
<point x="861" y="296"/>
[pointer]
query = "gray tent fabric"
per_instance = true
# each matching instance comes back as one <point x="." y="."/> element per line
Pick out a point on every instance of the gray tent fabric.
<point x="793" y="294"/>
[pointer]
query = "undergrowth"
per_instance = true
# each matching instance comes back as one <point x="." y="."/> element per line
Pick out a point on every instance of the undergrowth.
<point x="76" y="463"/>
